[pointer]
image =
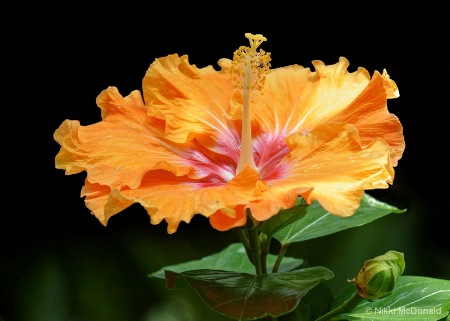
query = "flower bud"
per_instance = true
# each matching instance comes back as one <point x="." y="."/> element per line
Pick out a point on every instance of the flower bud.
<point x="378" y="276"/>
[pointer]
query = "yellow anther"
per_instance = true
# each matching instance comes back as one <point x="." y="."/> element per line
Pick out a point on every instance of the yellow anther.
<point x="249" y="67"/>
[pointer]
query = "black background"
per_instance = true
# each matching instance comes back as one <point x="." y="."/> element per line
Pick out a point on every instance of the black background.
<point x="59" y="263"/>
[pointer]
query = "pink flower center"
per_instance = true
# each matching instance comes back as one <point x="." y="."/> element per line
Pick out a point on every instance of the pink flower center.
<point x="217" y="168"/>
<point x="269" y="150"/>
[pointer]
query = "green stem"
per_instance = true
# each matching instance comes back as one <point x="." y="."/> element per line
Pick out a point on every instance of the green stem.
<point x="244" y="239"/>
<point x="347" y="306"/>
<point x="265" y="246"/>
<point x="283" y="250"/>
<point x="255" y="246"/>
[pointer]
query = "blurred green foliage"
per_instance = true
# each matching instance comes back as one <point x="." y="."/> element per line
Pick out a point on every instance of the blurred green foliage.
<point x="101" y="274"/>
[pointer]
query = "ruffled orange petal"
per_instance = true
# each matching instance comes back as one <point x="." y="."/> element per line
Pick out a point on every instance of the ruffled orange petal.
<point x="278" y="196"/>
<point x="193" y="102"/>
<point x="297" y="99"/>
<point x="67" y="131"/>
<point x="224" y="220"/>
<point x="369" y="114"/>
<point x="330" y="166"/>
<point x="174" y="198"/>
<point x="227" y="218"/>
<point x="390" y="86"/>
<point x="122" y="148"/>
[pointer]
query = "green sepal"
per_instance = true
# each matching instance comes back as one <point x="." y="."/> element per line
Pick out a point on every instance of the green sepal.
<point x="378" y="276"/>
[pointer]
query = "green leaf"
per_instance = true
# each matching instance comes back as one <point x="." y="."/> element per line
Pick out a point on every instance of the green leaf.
<point x="243" y="296"/>
<point x="284" y="218"/>
<point x="233" y="258"/>
<point x="415" y="298"/>
<point x="315" y="303"/>
<point x="318" y="222"/>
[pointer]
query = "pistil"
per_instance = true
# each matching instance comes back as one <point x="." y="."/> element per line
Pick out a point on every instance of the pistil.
<point x="249" y="70"/>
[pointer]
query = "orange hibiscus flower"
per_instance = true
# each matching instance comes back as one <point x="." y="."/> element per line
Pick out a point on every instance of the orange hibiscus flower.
<point x="218" y="142"/>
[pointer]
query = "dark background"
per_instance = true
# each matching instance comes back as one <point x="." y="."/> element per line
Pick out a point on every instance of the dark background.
<point x="57" y="262"/>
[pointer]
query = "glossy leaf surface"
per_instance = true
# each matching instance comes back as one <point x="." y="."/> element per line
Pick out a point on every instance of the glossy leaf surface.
<point x="415" y="298"/>
<point x="232" y="258"/>
<point x="317" y="222"/>
<point x="284" y="218"/>
<point x="243" y="296"/>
